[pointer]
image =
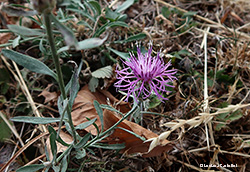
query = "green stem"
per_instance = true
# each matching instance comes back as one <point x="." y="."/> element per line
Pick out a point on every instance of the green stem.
<point x="58" y="68"/>
<point x="111" y="128"/>
<point x="64" y="153"/>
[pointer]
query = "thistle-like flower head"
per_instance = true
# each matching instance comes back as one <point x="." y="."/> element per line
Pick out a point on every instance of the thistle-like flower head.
<point x="145" y="75"/>
<point x="43" y="6"/>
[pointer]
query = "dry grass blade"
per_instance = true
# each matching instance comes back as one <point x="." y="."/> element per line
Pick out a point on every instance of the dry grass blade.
<point x="206" y="101"/>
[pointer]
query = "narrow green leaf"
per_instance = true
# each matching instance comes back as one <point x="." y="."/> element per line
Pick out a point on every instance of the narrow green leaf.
<point x="111" y="15"/>
<point x="97" y="7"/>
<point x="84" y="13"/>
<point x="28" y="62"/>
<point x="189" y="13"/>
<point x="31" y="168"/>
<point x="109" y="146"/>
<point x="6" y="132"/>
<point x="85" y="124"/>
<point x="86" y="44"/>
<point x="93" y="84"/>
<point x="83" y="141"/>
<point x="118" y="23"/>
<point x="59" y="139"/>
<point x="108" y="25"/>
<point x="47" y="169"/>
<point x="46" y="152"/>
<point x="74" y="88"/>
<point x="56" y="168"/>
<point x="14" y="11"/>
<point x="64" y="3"/>
<point x="15" y="42"/>
<point x="104" y="72"/>
<point x="124" y="6"/>
<point x="97" y="129"/>
<point x="34" y="120"/>
<point x="136" y="37"/>
<point x="99" y="112"/>
<point x="91" y="43"/>
<point x="62" y="106"/>
<point x="53" y="145"/>
<point x="21" y="30"/>
<point x="131" y="132"/>
<point x="64" y="164"/>
<point x="21" y="41"/>
<point x="111" y="109"/>
<point x="235" y="115"/>
<point x="65" y="48"/>
<point x="67" y="33"/>
<point x="123" y="55"/>
<point x="41" y="47"/>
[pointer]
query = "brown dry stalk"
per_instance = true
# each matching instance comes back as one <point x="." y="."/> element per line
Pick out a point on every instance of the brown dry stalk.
<point x="36" y="159"/>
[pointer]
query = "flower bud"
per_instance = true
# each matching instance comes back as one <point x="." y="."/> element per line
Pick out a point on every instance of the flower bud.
<point x="43" y="6"/>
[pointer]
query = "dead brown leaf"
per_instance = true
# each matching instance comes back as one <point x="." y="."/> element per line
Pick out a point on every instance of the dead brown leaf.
<point x="49" y="96"/>
<point x="133" y="144"/>
<point x="4" y="38"/>
<point x="83" y="107"/>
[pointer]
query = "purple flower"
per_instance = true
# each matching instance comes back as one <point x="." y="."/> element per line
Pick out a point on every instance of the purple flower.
<point x="145" y="75"/>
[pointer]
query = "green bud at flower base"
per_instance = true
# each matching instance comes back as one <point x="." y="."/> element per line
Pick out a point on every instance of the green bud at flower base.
<point x="43" y="6"/>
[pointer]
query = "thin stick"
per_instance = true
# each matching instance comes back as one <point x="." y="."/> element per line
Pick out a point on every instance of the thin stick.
<point x="235" y="153"/>
<point x="36" y="159"/>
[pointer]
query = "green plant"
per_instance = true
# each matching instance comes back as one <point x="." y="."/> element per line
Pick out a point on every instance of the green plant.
<point x="45" y="37"/>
